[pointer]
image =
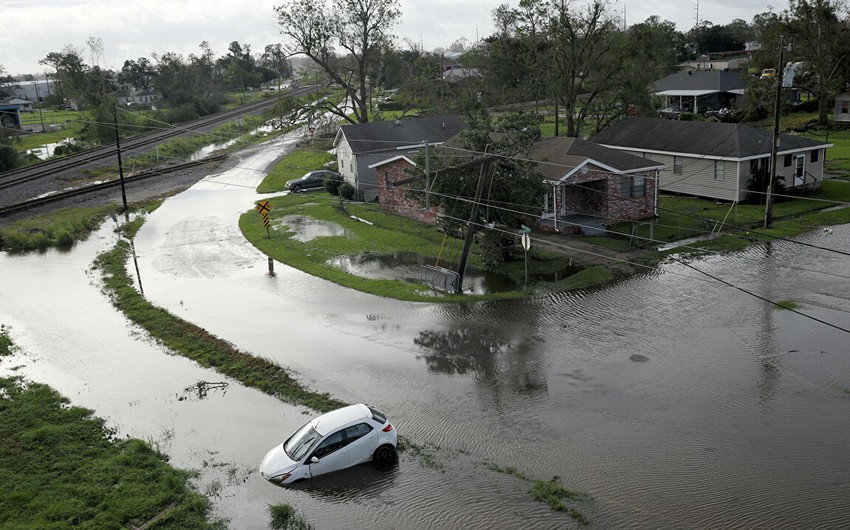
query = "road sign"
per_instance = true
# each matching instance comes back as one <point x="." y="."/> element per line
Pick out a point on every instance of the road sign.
<point x="312" y="129"/>
<point x="524" y="229"/>
<point x="526" y="242"/>
<point x="264" y="207"/>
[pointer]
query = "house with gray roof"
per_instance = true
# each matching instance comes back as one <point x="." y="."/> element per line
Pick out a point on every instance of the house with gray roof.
<point x="716" y="160"/>
<point x="360" y="147"/>
<point x="592" y="185"/>
<point x="589" y="186"/>
<point x="699" y="91"/>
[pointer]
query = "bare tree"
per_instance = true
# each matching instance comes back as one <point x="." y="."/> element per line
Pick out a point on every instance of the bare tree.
<point x="356" y="27"/>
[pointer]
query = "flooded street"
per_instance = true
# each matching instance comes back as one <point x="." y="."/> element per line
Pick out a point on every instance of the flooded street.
<point x="673" y="400"/>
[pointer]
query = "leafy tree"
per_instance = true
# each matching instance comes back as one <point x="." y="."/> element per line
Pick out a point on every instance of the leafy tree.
<point x="5" y="80"/>
<point x="821" y="40"/>
<point x="515" y="190"/>
<point x="70" y="72"/>
<point x="138" y="74"/>
<point x="358" y="27"/>
<point x="709" y="38"/>
<point x="9" y="158"/>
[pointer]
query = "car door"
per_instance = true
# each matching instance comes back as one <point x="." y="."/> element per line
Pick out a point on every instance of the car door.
<point x="362" y="442"/>
<point x="330" y="454"/>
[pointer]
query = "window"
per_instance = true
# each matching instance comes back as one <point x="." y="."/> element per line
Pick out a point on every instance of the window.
<point x="678" y="165"/>
<point x="815" y="155"/>
<point x="329" y="445"/>
<point x="356" y="432"/>
<point x="639" y="186"/>
<point x="625" y="187"/>
<point x="787" y="160"/>
<point x="719" y="170"/>
<point x="377" y="416"/>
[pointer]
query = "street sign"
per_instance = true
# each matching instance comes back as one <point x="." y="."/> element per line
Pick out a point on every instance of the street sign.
<point x="526" y="242"/>
<point x="312" y="129"/>
<point x="264" y="207"/>
<point x="524" y="229"/>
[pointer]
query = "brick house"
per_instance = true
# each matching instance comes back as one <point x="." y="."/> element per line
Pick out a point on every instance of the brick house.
<point x="593" y="186"/>
<point x="590" y="186"/>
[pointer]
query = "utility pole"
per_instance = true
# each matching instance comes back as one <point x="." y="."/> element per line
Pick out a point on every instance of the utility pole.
<point x="427" y="176"/>
<point x="483" y="177"/>
<point x="118" y="148"/>
<point x="38" y="100"/>
<point x="768" y="202"/>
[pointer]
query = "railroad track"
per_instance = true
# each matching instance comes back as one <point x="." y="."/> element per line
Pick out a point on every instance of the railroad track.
<point x="16" y="177"/>
<point x="76" y="192"/>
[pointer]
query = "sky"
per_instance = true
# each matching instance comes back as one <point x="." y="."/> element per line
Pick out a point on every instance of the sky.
<point x="30" y="29"/>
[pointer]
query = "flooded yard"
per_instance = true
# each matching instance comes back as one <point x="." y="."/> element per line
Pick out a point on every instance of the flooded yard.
<point x="672" y="400"/>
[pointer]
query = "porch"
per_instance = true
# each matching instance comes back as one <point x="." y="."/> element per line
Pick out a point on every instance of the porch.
<point x="573" y="224"/>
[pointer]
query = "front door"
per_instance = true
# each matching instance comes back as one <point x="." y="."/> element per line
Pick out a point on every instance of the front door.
<point x="799" y="169"/>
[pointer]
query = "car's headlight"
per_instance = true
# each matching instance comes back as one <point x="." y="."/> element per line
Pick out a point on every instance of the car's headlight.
<point x="277" y="479"/>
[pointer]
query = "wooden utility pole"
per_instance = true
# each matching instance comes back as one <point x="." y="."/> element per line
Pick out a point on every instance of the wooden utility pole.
<point x="483" y="177"/>
<point x="768" y="202"/>
<point x="120" y="166"/>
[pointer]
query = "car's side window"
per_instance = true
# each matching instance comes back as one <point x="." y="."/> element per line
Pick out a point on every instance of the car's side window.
<point x="357" y="431"/>
<point x="329" y="445"/>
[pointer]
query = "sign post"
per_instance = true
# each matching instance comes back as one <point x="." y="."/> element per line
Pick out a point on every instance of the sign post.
<point x="526" y="244"/>
<point x="263" y="208"/>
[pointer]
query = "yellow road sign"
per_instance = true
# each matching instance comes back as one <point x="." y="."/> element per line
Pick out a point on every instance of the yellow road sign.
<point x="264" y="207"/>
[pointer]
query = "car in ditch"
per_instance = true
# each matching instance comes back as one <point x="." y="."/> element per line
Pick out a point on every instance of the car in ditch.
<point x="337" y="440"/>
<point x="311" y="180"/>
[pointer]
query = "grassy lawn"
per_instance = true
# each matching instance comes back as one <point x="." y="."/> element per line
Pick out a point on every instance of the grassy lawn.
<point x="682" y="217"/>
<point x="62" y="467"/>
<point x="50" y="117"/>
<point x="35" y="140"/>
<point x="293" y="166"/>
<point x="386" y="235"/>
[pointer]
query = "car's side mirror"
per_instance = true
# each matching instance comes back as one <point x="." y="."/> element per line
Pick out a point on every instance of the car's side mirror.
<point x="314" y="460"/>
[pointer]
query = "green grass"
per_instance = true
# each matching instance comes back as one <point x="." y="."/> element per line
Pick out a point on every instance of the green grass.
<point x="681" y="217"/>
<point x="60" y="467"/>
<point x="293" y="166"/>
<point x="6" y="346"/>
<point x="387" y="235"/>
<point x="286" y="517"/>
<point x="199" y="345"/>
<point x="838" y="156"/>
<point x="553" y="494"/>
<point x="50" y="117"/>
<point x="60" y="228"/>
<point x="36" y="140"/>
<point x="787" y="304"/>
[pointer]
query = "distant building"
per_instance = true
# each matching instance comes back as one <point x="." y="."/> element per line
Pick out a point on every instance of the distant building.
<point x="22" y="104"/>
<point x="33" y="90"/>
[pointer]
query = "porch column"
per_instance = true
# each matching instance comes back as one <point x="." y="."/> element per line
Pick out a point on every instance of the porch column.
<point x="555" y="205"/>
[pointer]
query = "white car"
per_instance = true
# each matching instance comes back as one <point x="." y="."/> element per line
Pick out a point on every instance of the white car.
<point x="339" y="439"/>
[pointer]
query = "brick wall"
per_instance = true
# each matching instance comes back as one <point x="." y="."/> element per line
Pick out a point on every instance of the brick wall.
<point x="393" y="198"/>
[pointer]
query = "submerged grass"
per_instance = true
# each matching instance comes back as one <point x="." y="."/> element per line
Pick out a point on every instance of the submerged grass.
<point x="286" y="517"/>
<point x="198" y="344"/>
<point x="60" y="228"/>
<point x="61" y="467"/>
<point x="787" y="304"/>
<point x="553" y="494"/>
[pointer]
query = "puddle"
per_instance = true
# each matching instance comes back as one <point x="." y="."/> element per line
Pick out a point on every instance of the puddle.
<point x="306" y="228"/>
<point x="46" y="151"/>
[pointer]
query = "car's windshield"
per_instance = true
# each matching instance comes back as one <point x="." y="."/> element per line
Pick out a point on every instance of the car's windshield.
<point x="300" y="442"/>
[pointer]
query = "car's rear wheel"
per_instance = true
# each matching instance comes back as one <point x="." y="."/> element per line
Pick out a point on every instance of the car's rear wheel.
<point x="384" y="455"/>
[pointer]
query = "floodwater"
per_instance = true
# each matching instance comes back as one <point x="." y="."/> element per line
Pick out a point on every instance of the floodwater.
<point x="673" y="400"/>
<point x="45" y="151"/>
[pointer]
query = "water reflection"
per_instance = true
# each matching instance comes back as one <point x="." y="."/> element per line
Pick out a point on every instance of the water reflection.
<point x="359" y="482"/>
<point x="490" y="359"/>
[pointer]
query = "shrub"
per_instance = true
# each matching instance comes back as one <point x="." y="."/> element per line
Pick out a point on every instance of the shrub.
<point x="9" y="158"/>
<point x="347" y="191"/>
<point x="333" y="183"/>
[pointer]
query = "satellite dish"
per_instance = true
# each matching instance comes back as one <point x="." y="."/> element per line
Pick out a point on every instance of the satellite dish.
<point x="584" y="170"/>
